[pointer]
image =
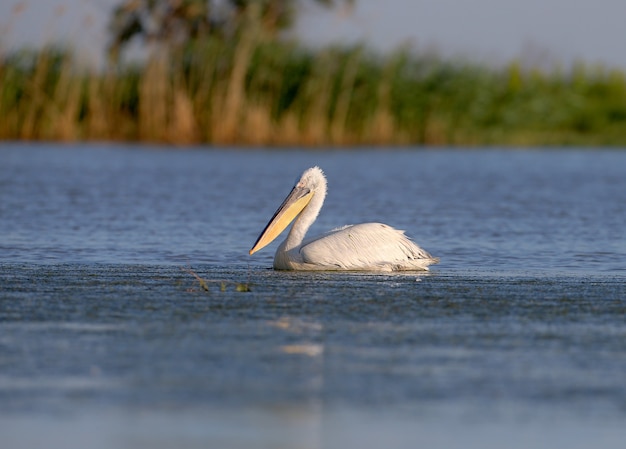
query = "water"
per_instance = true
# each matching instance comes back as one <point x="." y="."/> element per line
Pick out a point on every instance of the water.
<point x="516" y="339"/>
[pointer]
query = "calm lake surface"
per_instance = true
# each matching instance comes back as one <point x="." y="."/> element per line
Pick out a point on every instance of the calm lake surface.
<point x="516" y="339"/>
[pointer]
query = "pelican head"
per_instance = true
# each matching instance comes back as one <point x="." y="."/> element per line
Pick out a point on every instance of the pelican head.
<point x="310" y="188"/>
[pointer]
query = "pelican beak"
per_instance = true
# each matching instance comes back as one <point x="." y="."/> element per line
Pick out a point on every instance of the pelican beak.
<point x="291" y="207"/>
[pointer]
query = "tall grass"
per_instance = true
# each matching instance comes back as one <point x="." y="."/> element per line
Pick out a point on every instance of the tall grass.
<point x="252" y="91"/>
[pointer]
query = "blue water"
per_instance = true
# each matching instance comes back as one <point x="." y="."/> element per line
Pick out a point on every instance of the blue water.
<point x="517" y="338"/>
<point x="480" y="210"/>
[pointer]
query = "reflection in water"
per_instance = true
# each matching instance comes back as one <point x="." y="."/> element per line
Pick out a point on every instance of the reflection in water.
<point x="312" y="350"/>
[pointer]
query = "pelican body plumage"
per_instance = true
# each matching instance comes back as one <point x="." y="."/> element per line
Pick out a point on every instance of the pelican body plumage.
<point x="361" y="247"/>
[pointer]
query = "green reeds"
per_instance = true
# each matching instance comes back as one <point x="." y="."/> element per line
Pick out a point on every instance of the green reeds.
<point x="256" y="91"/>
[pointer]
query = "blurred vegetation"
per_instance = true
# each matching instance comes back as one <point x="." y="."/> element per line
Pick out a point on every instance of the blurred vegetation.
<point x="255" y="89"/>
<point x="172" y="24"/>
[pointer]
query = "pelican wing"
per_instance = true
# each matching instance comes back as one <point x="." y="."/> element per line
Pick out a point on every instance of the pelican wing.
<point x="373" y="246"/>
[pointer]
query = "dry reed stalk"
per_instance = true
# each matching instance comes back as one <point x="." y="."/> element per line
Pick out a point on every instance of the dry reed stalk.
<point x="383" y="128"/>
<point x="182" y="124"/>
<point x="288" y="130"/>
<point x="435" y="132"/>
<point x="153" y="99"/>
<point x="8" y="112"/>
<point x="259" y="126"/>
<point x="314" y="120"/>
<point x="61" y="115"/>
<point x="34" y="99"/>
<point x="203" y="100"/>
<point x="226" y="129"/>
<point x="339" y="125"/>
<point x="99" y="118"/>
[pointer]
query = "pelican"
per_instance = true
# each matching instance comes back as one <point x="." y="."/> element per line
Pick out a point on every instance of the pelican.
<point x="362" y="247"/>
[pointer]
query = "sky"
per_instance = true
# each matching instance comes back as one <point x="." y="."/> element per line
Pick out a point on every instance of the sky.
<point x="537" y="32"/>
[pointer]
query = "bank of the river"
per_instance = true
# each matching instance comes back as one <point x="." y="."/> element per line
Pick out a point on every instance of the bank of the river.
<point x="272" y="93"/>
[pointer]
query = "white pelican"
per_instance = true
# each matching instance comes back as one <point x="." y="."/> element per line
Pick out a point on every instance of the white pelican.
<point x="367" y="246"/>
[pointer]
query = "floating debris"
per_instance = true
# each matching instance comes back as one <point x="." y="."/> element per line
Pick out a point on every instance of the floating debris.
<point x="204" y="284"/>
